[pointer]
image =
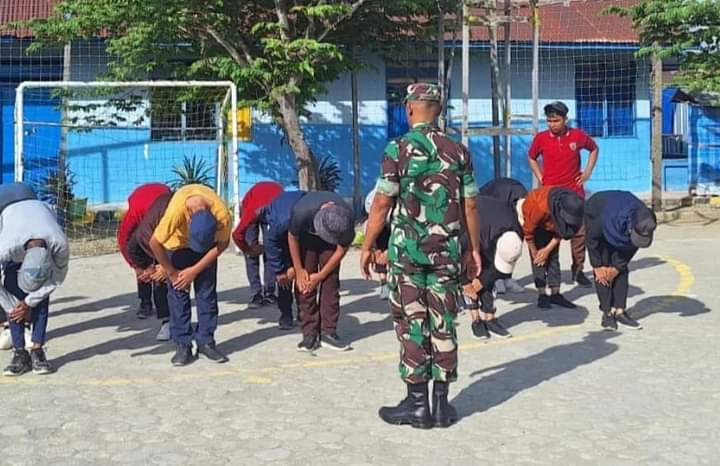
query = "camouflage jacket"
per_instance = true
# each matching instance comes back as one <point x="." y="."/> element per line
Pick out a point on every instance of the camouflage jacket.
<point x="428" y="174"/>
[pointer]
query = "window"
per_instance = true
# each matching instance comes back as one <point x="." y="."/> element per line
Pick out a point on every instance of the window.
<point x="399" y="76"/>
<point x="605" y="95"/>
<point x="182" y="121"/>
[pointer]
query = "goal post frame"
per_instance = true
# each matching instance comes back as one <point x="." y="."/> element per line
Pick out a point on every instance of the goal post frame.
<point x="231" y="95"/>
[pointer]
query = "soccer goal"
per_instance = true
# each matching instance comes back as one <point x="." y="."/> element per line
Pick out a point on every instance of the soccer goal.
<point x="85" y="146"/>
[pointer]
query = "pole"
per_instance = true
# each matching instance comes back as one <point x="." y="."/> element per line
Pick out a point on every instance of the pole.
<point x="441" y="65"/>
<point x="495" y="86"/>
<point x="535" y="13"/>
<point x="507" y="107"/>
<point x="357" y="194"/>
<point x="657" y="117"/>
<point x="465" y="72"/>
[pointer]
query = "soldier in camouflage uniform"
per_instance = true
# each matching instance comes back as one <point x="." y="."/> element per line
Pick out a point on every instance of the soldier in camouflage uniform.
<point x="429" y="178"/>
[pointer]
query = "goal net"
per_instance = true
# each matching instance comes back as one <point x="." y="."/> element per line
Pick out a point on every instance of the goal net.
<point x="85" y="146"/>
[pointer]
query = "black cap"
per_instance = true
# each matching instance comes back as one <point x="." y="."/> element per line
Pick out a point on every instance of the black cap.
<point x="556" y="108"/>
<point x="643" y="228"/>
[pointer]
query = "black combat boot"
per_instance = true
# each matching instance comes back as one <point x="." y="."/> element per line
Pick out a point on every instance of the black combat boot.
<point x="443" y="413"/>
<point x="414" y="410"/>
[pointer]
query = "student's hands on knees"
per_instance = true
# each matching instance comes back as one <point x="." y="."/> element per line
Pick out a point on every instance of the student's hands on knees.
<point x="312" y="283"/>
<point x="541" y="257"/>
<point x="380" y="257"/>
<point x="601" y="275"/>
<point x="158" y="274"/>
<point x="21" y="313"/>
<point x="185" y="278"/>
<point x="612" y="274"/>
<point x="285" y="279"/>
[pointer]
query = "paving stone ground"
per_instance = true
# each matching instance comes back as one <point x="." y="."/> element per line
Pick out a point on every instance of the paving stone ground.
<point x="559" y="392"/>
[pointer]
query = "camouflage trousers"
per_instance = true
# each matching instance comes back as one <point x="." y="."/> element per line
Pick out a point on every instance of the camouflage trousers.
<point x="424" y="305"/>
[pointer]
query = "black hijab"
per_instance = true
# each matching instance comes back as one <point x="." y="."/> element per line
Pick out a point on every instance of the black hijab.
<point x="566" y="210"/>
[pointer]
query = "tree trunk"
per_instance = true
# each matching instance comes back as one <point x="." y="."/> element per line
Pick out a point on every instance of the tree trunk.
<point x="308" y="179"/>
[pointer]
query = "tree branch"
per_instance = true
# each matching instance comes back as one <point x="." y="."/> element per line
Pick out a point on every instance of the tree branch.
<point x="281" y="8"/>
<point x="312" y="24"/>
<point x="353" y="9"/>
<point x="242" y="60"/>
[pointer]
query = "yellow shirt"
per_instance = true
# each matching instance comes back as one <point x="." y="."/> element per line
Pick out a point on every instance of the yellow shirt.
<point x="173" y="231"/>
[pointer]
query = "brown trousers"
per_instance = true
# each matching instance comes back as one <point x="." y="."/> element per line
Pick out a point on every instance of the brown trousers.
<point x="577" y="246"/>
<point x="319" y="314"/>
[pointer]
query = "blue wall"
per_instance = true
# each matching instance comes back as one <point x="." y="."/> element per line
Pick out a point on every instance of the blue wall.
<point x="705" y="149"/>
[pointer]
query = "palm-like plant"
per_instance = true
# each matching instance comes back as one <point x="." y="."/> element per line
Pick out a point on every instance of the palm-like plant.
<point x="194" y="170"/>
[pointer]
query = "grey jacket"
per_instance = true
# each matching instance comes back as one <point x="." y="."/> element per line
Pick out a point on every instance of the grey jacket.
<point x="21" y="222"/>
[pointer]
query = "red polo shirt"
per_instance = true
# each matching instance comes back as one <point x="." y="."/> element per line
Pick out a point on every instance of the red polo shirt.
<point x="259" y="196"/>
<point x="561" y="157"/>
<point x="139" y="203"/>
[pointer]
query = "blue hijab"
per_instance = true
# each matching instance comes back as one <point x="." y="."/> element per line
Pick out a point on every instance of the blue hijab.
<point x="617" y="219"/>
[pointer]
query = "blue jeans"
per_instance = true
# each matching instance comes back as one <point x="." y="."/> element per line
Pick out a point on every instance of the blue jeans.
<point x="205" y="300"/>
<point x="39" y="319"/>
<point x="252" y="266"/>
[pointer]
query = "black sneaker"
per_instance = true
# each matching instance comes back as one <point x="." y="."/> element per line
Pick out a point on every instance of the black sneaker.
<point x="209" y="351"/>
<point x="480" y="330"/>
<point x="40" y="364"/>
<point x="145" y="311"/>
<point x="581" y="280"/>
<point x="270" y="300"/>
<point x="608" y="321"/>
<point x="560" y="300"/>
<point x="19" y="365"/>
<point x="183" y="355"/>
<point x="626" y="321"/>
<point x="256" y="302"/>
<point x="286" y="322"/>
<point x="497" y="329"/>
<point x="308" y="344"/>
<point x="334" y="342"/>
<point x="544" y="301"/>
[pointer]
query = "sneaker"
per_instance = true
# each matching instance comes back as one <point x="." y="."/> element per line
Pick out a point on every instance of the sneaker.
<point x="496" y="328"/>
<point x="513" y="287"/>
<point x="256" y="302"/>
<point x="145" y="311"/>
<point x="544" y="301"/>
<point x="183" y="355"/>
<point x="560" y="300"/>
<point x="5" y="339"/>
<point x="480" y="330"/>
<point x="209" y="351"/>
<point x="270" y="300"/>
<point x="333" y="341"/>
<point x="286" y="322"/>
<point x="608" y="321"/>
<point x="626" y="321"/>
<point x="164" y="333"/>
<point x="308" y="344"/>
<point x="19" y="365"/>
<point x="581" y="280"/>
<point x="384" y="292"/>
<point x="500" y="286"/>
<point x="40" y="364"/>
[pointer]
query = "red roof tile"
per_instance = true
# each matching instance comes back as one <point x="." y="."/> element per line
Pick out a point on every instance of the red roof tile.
<point x="580" y="21"/>
<point x="21" y="10"/>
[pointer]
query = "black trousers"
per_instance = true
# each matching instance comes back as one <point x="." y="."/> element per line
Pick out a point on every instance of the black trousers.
<point x="158" y="293"/>
<point x="615" y="295"/>
<point x="549" y="274"/>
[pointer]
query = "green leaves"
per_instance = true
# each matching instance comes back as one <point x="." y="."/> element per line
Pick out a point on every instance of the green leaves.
<point x="687" y="30"/>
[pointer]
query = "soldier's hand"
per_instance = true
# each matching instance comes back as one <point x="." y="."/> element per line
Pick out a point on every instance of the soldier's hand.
<point x="366" y="257"/>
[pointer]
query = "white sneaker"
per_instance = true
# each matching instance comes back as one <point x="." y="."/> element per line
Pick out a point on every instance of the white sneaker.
<point x="5" y="339"/>
<point x="500" y="286"/>
<point x="384" y="292"/>
<point x="164" y="333"/>
<point x="513" y="287"/>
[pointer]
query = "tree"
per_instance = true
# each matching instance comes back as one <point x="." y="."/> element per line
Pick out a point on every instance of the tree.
<point x="688" y="30"/>
<point x="280" y="53"/>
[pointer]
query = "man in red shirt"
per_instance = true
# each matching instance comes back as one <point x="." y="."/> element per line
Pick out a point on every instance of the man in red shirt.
<point x="139" y="203"/>
<point x="246" y="236"/>
<point x="560" y="148"/>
